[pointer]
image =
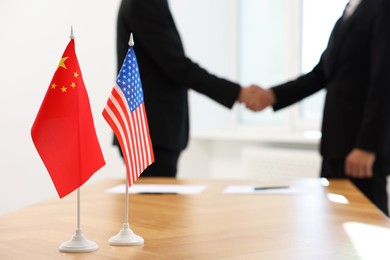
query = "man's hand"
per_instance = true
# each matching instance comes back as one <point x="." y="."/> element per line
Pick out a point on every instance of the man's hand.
<point x="359" y="163"/>
<point x="256" y="98"/>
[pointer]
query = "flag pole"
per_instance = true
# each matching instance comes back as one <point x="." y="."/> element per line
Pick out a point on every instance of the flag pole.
<point x="127" y="201"/>
<point x="79" y="242"/>
<point x="126" y="237"/>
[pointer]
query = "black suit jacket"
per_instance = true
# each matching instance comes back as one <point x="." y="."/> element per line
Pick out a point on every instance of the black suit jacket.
<point x="166" y="72"/>
<point x="355" y="71"/>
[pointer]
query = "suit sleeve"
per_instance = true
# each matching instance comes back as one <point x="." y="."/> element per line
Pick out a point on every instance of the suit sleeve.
<point x="155" y="30"/>
<point x="374" y="132"/>
<point x="293" y="91"/>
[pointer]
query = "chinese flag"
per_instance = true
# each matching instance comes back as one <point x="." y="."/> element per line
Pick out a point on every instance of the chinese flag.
<point x="63" y="131"/>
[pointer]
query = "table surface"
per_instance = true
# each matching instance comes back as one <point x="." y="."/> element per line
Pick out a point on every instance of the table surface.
<point x="319" y="222"/>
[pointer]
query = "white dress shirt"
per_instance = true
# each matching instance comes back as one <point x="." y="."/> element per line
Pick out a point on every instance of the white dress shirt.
<point x="351" y="7"/>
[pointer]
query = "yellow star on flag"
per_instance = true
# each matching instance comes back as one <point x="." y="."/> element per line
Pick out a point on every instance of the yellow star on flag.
<point x="62" y="62"/>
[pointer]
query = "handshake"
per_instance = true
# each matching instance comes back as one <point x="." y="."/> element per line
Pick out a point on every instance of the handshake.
<point x="256" y="98"/>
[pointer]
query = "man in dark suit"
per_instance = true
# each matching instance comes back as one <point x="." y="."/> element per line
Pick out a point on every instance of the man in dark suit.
<point x="166" y="75"/>
<point x="355" y="71"/>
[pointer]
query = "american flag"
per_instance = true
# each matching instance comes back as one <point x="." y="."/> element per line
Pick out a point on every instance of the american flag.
<point x="125" y="113"/>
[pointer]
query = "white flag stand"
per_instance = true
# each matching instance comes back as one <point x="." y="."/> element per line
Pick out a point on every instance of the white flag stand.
<point x="126" y="237"/>
<point x="79" y="242"/>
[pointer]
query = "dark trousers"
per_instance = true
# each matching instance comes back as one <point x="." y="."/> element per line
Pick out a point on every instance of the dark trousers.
<point x="165" y="163"/>
<point x="374" y="188"/>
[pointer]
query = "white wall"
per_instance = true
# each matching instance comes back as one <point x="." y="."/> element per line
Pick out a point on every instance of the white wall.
<point x="33" y="36"/>
<point x="209" y="33"/>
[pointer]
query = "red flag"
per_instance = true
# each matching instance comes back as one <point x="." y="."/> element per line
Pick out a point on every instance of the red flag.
<point x="63" y="131"/>
<point x="125" y="113"/>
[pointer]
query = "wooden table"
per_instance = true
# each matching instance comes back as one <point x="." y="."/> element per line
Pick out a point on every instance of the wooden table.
<point x="209" y="225"/>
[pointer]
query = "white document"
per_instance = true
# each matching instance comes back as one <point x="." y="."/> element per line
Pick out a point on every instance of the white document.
<point x="159" y="189"/>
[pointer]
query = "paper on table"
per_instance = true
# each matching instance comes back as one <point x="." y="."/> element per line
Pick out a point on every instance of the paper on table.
<point x="159" y="188"/>
<point x="250" y="189"/>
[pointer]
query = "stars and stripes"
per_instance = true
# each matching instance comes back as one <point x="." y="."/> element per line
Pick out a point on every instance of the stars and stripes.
<point x="125" y="113"/>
